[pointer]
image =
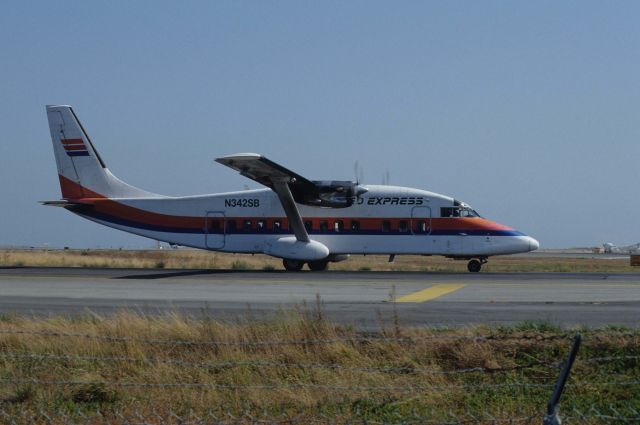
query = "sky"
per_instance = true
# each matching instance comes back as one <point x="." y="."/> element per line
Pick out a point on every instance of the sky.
<point x="528" y="111"/>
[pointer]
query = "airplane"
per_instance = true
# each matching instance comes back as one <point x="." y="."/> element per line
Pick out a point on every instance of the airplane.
<point x="610" y="248"/>
<point x="299" y="220"/>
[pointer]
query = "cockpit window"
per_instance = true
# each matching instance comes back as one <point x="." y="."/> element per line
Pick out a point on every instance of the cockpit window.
<point x="449" y="212"/>
<point x="458" y="212"/>
<point x="468" y="212"/>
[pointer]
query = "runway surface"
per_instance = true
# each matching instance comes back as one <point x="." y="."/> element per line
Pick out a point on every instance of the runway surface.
<point x="364" y="299"/>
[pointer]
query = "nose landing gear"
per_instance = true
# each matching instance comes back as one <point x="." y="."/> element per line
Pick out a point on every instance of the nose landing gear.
<point x="475" y="265"/>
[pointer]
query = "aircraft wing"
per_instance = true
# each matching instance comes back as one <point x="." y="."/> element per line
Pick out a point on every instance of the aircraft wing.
<point x="263" y="170"/>
<point x="292" y="188"/>
<point x="276" y="177"/>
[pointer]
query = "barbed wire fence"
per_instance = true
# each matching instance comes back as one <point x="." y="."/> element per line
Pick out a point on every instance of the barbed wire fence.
<point x="153" y="417"/>
<point x="229" y="415"/>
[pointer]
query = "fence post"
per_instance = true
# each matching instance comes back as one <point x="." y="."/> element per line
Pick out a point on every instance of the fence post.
<point x="552" y="418"/>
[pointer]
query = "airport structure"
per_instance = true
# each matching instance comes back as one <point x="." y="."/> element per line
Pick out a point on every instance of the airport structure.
<point x="293" y="218"/>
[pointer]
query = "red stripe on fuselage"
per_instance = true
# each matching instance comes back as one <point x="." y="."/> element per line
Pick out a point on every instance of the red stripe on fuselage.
<point x="104" y="205"/>
<point x="372" y="224"/>
<point x="70" y="190"/>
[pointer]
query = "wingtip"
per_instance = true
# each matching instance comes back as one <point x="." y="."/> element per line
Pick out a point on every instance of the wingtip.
<point x="247" y="155"/>
<point x="48" y="107"/>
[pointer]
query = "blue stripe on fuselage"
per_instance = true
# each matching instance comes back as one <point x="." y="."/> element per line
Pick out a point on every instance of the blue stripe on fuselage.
<point x="168" y="229"/>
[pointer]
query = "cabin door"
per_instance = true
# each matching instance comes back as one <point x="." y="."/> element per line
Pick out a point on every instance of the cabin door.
<point x="214" y="235"/>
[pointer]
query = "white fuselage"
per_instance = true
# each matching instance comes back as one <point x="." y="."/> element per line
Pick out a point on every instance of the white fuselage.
<point x="385" y="220"/>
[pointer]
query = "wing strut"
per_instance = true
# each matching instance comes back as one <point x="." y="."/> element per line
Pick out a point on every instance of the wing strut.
<point x="278" y="179"/>
<point x="286" y="199"/>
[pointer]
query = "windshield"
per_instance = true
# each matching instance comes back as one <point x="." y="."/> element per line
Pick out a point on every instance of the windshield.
<point x="468" y="212"/>
<point x="460" y="209"/>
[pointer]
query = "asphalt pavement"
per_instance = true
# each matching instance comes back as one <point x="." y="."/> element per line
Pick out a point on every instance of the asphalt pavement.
<point x="364" y="299"/>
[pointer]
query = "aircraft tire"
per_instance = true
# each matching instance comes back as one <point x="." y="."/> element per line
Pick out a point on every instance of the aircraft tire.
<point x="292" y="265"/>
<point x="474" y="266"/>
<point x="318" y="266"/>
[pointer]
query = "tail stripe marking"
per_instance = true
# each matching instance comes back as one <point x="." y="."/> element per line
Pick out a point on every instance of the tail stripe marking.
<point x="72" y="142"/>
<point x="74" y="147"/>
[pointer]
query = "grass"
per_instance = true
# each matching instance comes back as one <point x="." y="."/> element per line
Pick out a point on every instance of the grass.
<point x="334" y="372"/>
<point x="198" y="259"/>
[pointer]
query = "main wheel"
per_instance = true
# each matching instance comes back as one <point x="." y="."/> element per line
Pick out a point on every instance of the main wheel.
<point x="474" y="266"/>
<point x="292" y="265"/>
<point x="318" y="266"/>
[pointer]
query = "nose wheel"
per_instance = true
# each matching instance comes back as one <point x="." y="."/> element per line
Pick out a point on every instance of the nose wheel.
<point x="474" y="265"/>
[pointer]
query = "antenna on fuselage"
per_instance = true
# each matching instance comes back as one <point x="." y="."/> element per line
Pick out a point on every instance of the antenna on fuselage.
<point x="358" y="172"/>
<point x="386" y="177"/>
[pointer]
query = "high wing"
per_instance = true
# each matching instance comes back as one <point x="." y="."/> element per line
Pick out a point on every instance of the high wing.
<point x="276" y="177"/>
<point x="263" y="170"/>
<point x="292" y="188"/>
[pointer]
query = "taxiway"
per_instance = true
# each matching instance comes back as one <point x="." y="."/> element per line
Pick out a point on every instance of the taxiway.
<point x="365" y="299"/>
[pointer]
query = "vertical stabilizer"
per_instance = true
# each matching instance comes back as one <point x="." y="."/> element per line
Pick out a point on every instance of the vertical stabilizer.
<point x="82" y="173"/>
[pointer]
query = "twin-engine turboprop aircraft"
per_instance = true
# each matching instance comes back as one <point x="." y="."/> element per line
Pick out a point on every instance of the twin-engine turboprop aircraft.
<point x="296" y="219"/>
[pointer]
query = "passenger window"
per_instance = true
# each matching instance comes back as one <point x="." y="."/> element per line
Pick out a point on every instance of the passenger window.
<point x="338" y="226"/>
<point x="230" y="226"/>
<point x="421" y="226"/>
<point x="324" y="226"/>
<point x="247" y="225"/>
<point x="355" y="225"/>
<point x="386" y="226"/>
<point x="403" y="226"/>
<point x="262" y="224"/>
<point x="277" y="225"/>
<point x="214" y="226"/>
<point x="308" y="225"/>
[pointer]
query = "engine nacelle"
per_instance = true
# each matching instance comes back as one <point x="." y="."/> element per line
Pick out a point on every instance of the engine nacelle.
<point x="330" y="193"/>
<point x="291" y="248"/>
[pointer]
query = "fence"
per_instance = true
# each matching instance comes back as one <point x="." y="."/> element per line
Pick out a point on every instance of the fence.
<point x="220" y="417"/>
<point x="232" y="414"/>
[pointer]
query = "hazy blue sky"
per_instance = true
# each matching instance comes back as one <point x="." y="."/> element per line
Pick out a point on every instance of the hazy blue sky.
<point x="529" y="111"/>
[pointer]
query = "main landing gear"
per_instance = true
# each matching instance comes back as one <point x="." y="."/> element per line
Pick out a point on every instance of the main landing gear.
<point x="318" y="266"/>
<point x="475" y="265"/>
<point x="292" y="265"/>
<point x="296" y="265"/>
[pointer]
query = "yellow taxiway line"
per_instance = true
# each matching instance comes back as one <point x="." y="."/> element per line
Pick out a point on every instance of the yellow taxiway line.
<point x="430" y="293"/>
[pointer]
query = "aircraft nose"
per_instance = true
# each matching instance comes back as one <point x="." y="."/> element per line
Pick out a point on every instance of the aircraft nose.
<point x="533" y="244"/>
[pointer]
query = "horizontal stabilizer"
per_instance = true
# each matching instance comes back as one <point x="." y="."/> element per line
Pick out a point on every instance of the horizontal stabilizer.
<point x="61" y="203"/>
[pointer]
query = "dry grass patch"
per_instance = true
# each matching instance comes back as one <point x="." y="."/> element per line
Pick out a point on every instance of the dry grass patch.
<point x="198" y="259"/>
<point x="299" y="366"/>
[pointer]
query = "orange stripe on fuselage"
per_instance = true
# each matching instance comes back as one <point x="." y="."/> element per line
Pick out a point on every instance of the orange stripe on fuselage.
<point x="104" y="205"/>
